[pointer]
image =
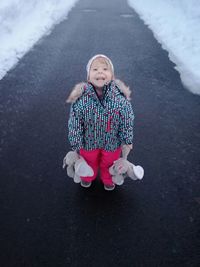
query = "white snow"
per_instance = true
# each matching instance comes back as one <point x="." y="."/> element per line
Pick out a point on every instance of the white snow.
<point x="176" y="25"/>
<point x="23" y="23"/>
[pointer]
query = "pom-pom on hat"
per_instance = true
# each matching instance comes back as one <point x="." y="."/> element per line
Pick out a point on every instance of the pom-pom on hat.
<point x="95" y="57"/>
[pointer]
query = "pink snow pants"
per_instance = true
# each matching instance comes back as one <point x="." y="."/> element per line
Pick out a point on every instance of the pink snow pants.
<point x="100" y="159"/>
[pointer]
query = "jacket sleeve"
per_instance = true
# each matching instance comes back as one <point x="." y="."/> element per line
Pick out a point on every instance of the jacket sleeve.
<point x="75" y="127"/>
<point x="126" y="123"/>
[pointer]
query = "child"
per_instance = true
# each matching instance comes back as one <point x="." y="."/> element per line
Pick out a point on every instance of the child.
<point x="101" y="119"/>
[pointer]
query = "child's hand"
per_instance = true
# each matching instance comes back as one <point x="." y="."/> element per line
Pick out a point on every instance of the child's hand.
<point x="129" y="146"/>
<point x="125" y="150"/>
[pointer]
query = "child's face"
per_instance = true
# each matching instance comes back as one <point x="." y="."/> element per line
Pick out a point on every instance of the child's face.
<point x="100" y="73"/>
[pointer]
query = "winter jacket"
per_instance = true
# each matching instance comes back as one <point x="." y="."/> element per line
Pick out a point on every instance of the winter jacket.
<point x="100" y="123"/>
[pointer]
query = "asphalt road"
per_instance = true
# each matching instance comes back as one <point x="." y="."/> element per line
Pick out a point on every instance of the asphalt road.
<point x="46" y="219"/>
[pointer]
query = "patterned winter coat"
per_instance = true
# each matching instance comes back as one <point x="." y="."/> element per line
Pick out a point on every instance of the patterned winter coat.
<point x="100" y="123"/>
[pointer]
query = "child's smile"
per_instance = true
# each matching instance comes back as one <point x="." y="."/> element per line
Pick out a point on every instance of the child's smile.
<point x="100" y="73"/>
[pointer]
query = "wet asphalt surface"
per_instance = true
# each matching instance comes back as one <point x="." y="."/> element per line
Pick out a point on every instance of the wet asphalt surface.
<point x="46" y="219"/>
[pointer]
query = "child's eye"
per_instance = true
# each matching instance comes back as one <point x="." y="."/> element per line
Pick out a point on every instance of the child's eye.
<point x="105" y="69"/>
<point x="95" y="69"/>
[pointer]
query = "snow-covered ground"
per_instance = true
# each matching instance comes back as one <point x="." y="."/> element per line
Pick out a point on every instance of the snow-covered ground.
<point x="23" y="23"/>
<point x="176" y="25"/>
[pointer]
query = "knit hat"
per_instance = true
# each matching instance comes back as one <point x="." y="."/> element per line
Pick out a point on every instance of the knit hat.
<point x="97" y="56"/>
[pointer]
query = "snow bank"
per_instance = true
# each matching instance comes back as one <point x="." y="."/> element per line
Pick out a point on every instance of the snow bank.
<point x="176" y="25"/>
<point x="23" y="23"/>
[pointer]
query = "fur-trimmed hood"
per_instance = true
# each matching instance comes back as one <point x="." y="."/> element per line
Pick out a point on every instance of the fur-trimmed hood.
<point x="78" y="90"/>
